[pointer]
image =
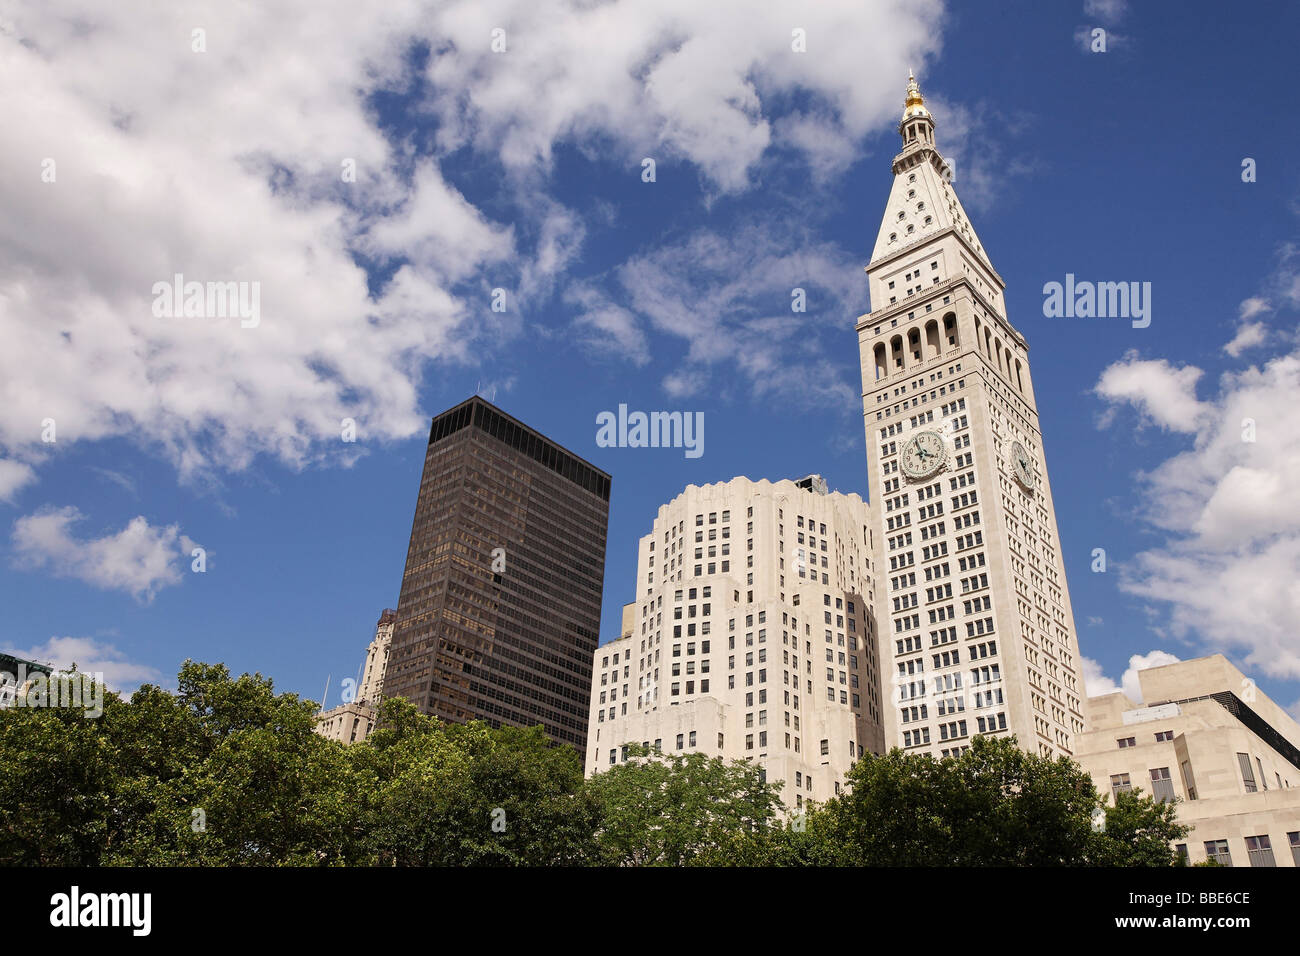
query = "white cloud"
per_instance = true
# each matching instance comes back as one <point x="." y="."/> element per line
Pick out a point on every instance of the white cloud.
<point x="1249" y="335"/>
<point x="226" y="165"/>
<point x="1165" y="395"/>
<point x="140" y="559"/>
<point x="93" y="657"/>
<point x="606" y="327"/>
<point x="728" y="300"/>
<point x="14" y="475"/>
<point x="674" y="79"/>
<point x="1140" y="662"/>
<point x="1225" y="572"/>
<point x="1098" y="684"/>
<point x="1108" y="11"/>
<point x="1253" y="306"/>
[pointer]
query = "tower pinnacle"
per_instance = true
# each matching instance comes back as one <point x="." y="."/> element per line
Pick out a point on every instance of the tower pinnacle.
<point x="914" y="104"/>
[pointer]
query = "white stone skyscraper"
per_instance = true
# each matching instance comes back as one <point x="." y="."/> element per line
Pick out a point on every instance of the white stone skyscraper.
<point x="752" y="636"/>
<point x="976" y="630"/>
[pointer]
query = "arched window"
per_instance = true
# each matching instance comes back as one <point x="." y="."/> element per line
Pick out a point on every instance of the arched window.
<point x="896" y="351"/>
<point x="950" y="329"/>
<point x="932" y="347"/>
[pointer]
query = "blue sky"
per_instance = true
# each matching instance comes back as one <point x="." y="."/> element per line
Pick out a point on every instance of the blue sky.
<point x="522" y="170"/>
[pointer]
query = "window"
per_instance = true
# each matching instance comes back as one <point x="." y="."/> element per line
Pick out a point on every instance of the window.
<point x="1126" y="742"/>
<point x="826" y="747"/>
<point x="1247" y="774"/>
<point x="1294" y="838"/>
<point x="1118" y="782"/>
<point x="1260" y="851"/>
<point x="1162" y="788"/>
<point x="1164" y="735"/>
<point x="1217" y="851"/>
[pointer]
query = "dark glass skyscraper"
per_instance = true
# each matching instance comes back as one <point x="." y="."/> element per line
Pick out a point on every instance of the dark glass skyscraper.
<point x="499" y="611"/>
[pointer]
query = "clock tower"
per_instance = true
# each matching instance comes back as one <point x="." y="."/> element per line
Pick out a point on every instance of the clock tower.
<point x="976" y="633"/>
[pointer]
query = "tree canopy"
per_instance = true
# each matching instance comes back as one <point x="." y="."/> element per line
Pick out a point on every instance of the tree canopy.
<point x="225" y="771"/>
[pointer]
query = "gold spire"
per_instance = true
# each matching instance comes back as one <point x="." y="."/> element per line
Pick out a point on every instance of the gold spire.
<point x="914" y="104"/>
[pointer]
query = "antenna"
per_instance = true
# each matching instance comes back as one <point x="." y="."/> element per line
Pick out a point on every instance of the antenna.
<point x="326" y="694"/>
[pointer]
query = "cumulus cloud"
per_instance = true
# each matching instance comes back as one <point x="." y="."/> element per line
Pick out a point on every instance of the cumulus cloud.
<point x="1165" y="395"/>
<point x="728" y="301"/>
<point x="675" y="79"/>
<point x="1098" y="684"/>
<point x="94" y="657"/>
<point x="153" y="151"/>
<point x="14" y="475"/>
<point x="141" y="559"/>
<point x="1225" y="573"/>
<point x="1095" y="682"/>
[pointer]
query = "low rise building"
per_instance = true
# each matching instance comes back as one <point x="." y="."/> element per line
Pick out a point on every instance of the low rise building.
<point x="1206" y="736"/>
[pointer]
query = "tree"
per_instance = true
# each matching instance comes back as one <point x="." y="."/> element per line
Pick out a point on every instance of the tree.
<point x="680" y="809"/>
<point x="227" y="772"/>
<point x="58" y="774"/>
<point x="1138" y="832"/>
<point x="993" y="805"/>
<point x="449" y="794"/>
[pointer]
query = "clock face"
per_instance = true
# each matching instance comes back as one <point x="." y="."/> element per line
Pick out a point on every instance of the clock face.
<point x="923" y="455"/>
<point x="1022" y="464"/>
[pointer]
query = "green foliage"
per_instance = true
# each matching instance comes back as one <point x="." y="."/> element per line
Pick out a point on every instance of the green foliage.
<point x="1139" y="832"/>
<point x="994" y="805"/>
<point x="469" y="795"/>
<point x="227" y="772"/>
<point x="681" y="809"/>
